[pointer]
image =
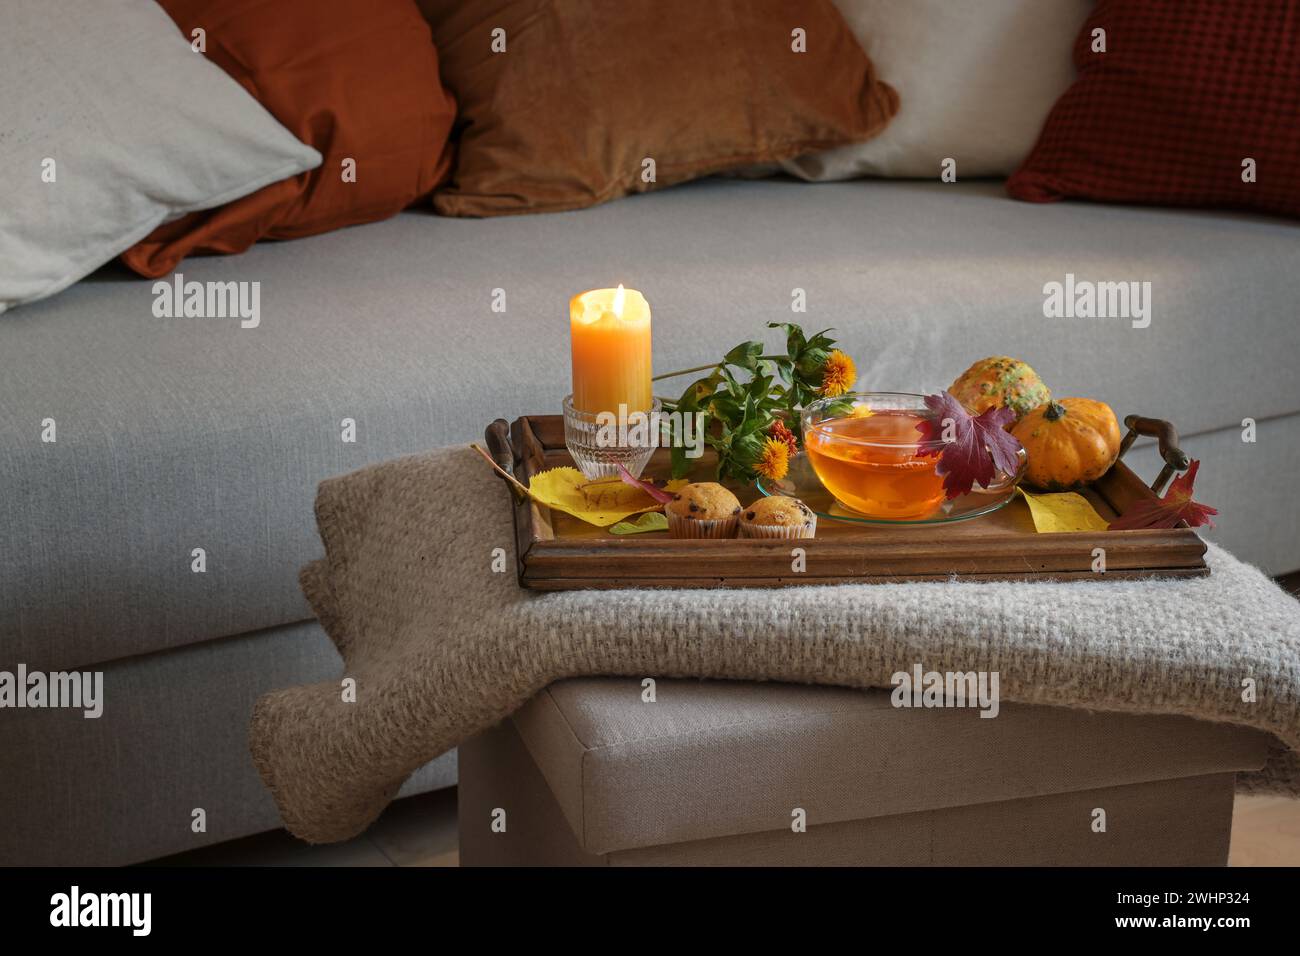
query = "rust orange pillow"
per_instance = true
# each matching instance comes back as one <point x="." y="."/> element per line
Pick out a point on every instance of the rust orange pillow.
<point x="359" y="82"/>
<point x="569" y="104"/>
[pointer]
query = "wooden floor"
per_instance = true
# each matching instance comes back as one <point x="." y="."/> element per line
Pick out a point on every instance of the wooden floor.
<point x="421" y="831"/>
<point x="1265" y="832"/>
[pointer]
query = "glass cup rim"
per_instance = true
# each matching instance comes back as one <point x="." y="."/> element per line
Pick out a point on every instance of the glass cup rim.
<point x="656" y="408"/>
<point x="809" y="411"/>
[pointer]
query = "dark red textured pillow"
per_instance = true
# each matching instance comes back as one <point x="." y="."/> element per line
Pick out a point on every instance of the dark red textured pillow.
<point x="1186" y="92"/>
<point x="358" y="81"/>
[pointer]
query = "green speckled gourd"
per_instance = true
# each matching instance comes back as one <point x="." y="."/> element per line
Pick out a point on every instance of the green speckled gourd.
<point x="997" y="381"/>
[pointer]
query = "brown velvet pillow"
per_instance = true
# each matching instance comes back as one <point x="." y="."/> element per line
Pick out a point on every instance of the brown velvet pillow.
<point x="357" y="81"/>
<point x="587" y="90"/>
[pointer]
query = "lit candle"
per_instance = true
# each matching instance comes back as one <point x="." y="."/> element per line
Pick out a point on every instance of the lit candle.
<point x="610" y="331"/>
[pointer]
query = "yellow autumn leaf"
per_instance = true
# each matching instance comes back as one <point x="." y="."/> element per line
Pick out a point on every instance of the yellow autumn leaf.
<point x="601" y="502"/>
<point x="1063" y="511"/>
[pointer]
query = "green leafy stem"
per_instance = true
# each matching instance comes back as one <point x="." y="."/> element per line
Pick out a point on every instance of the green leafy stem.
<point x="745" y="393"/>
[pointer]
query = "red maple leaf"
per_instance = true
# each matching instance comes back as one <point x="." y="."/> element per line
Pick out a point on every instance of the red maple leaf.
<point x="1177" y="505"/>
<point x="970" y="450"/>
<point x="649" y="487"/>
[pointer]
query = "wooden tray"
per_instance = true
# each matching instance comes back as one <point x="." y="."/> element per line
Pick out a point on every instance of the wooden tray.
<point x="556" y="551"/>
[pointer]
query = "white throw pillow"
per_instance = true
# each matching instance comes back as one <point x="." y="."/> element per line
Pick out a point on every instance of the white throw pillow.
<point x="975" y="79"/>
<point x="111" y="124"/>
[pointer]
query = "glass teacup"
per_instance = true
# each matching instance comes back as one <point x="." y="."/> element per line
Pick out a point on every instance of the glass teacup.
<point x="868" y="453"/>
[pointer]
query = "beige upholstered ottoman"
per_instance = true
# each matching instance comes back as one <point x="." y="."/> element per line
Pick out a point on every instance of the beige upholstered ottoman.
<point x="717" y="772"/>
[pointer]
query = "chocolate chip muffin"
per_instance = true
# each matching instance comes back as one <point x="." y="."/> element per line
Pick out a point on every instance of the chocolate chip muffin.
<point x="703" y="509"/>
<point x="778" y="517"/>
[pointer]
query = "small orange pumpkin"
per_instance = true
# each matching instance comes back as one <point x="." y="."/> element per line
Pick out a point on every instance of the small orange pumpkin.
<point x="1070" y="442"/>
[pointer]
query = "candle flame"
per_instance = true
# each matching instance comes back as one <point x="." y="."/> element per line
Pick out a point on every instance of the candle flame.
<point x="618" y="301"/>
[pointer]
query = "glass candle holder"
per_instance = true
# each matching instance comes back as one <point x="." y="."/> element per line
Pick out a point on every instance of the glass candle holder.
<point x="600" y="442"/>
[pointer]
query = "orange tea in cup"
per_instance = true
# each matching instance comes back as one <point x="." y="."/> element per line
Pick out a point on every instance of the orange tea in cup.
<point x="869" y="457"/>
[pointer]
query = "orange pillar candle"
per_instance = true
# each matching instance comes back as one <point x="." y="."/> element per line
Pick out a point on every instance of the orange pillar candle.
<point x="610" y="331"/>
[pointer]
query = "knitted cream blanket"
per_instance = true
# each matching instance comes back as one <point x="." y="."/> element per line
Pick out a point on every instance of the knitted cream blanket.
<point x="440" y="647"/>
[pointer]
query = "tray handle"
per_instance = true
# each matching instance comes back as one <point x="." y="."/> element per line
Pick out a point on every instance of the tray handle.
<point x="1166" y="437"/>
<point x="497" y="438"/>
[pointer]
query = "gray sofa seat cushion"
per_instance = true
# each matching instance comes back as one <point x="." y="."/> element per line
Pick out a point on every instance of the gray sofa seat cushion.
<point x="173" y="736"/>
<point x="628" y="773"/>
<point x="183" y="433"/>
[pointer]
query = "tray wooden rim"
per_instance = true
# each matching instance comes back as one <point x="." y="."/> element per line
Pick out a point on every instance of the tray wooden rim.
<point x="547" y="562"/>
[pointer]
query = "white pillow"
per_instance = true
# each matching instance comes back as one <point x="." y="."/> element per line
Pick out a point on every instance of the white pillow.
<point x="107" y="99"/>
<point x="975" y="80"/>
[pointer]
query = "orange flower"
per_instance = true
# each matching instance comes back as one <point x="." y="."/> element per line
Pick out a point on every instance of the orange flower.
<point x="774" y="460"/>
<point x="838" y="374"/>
<point x="781" y="433"/>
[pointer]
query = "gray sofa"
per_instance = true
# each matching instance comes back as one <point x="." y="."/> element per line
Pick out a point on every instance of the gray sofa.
<point x="177" y="434"/>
